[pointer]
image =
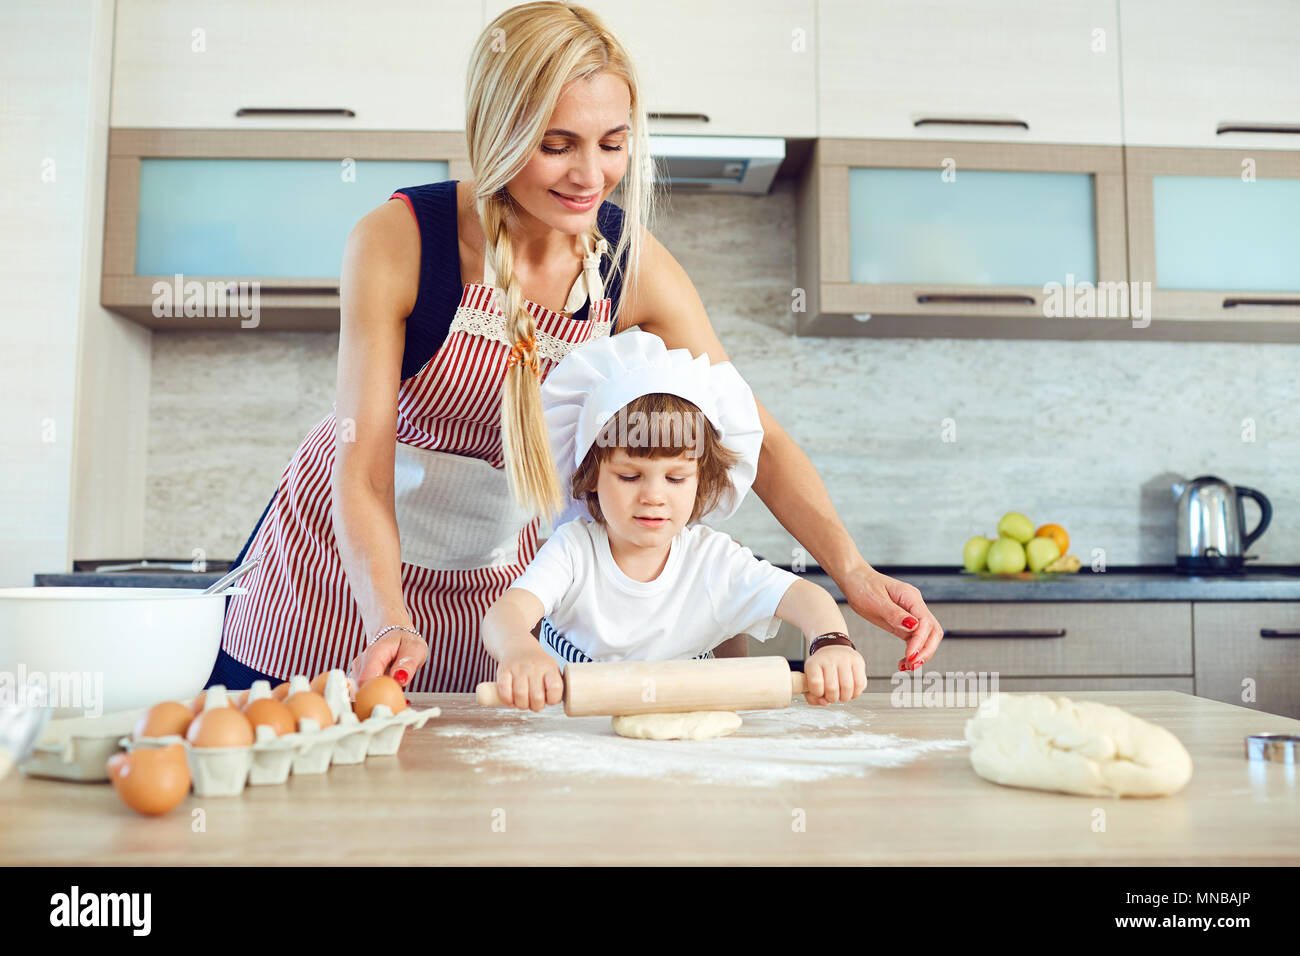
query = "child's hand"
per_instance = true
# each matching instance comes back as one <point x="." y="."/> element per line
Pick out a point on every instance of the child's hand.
<point x="835" y="673"/>
<point x="530" y="679"/>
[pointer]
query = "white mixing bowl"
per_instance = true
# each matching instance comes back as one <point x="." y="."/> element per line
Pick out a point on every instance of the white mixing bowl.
<point x="102" y="650"/>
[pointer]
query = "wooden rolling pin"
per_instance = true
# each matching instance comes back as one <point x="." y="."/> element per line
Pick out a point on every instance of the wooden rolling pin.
<point x="656" y="687"/>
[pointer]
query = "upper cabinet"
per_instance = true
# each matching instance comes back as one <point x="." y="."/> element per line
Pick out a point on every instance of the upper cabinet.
<point x="998" y="70"/>
<point x="248" y="64"/>
<point x="242" y="229"/>
<point x="1208" y="73"/>
<point x="722" y="69"/>
<point x="959" y="239"/>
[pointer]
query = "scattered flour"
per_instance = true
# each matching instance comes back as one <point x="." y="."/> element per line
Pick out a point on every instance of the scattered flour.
<point x="796" y="744"/>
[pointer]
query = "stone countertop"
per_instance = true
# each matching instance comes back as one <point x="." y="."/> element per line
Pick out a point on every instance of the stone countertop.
<point x="1269" y="583"/>
<point x="129" y="579"/>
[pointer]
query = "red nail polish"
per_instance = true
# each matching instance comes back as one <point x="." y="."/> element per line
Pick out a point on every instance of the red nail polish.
<point x="909" y="622"/>
<point x="401" y="677"/>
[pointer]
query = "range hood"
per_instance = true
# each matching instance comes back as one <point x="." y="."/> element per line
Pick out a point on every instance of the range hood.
<point x="730" y="164"/>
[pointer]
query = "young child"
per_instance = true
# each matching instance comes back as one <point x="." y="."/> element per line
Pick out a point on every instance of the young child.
<point x="647" y="443"/>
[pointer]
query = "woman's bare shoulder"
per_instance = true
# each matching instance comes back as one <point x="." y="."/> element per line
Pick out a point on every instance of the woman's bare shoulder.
<point x="382" y="255"/>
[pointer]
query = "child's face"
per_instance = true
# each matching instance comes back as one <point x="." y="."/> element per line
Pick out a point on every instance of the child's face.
<point x="634" y="489"/>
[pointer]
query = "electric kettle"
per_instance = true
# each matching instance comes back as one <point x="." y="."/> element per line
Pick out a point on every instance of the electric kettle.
<point x="1211" y="524"/>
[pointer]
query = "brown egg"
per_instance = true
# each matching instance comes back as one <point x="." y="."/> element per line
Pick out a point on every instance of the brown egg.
<point x="169" y="717"/>
<point x="281" y="691"/>
<point x="151" y="780"/>
<point x="220" y="727"/>
<point x="272" y="713"/>
<point x="379" y="690"/>
<point x="307" y="703"/>
<point x="197" y="704"/>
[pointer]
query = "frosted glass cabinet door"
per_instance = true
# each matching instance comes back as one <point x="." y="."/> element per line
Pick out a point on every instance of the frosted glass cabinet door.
<point x="1220" y="232"/>
<point x="264" y="218"/>
<point x="980" y="228"/>
<point x="1214" y="234"/>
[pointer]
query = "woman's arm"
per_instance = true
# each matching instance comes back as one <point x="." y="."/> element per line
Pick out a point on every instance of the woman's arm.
<point x="664" y="301"/>
<point x="380" y="280"/>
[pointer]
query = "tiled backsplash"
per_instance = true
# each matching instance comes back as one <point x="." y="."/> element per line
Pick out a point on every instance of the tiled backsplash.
<point x="1085" y="434"/>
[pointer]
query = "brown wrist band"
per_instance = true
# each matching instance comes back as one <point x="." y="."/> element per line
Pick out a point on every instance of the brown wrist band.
<point x="828" y="639"/>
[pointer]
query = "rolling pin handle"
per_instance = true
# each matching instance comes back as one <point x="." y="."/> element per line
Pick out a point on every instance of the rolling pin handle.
<point x="487" y="695"/>
<point x="797" y="685"/>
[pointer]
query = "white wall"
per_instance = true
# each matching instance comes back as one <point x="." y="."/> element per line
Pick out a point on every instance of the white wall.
<point x="53" y="144"/>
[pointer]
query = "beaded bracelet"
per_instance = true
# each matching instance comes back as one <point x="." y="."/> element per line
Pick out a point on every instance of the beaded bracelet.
<point x="393" y="627"/>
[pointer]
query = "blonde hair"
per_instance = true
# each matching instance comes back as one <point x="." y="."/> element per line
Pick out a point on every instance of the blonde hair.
<point x="520" y="65"/>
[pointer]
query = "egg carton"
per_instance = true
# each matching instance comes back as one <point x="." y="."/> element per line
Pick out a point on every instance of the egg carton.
<point x="78" y="748"/>
<point x="224" y="771"/>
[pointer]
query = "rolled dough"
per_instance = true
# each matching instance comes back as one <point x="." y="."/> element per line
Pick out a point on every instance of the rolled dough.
<point x="692" y="725"/>
<point x="1054" y="743"/>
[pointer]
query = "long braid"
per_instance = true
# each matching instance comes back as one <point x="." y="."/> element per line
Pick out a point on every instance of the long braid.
<point x="525" y="444"/>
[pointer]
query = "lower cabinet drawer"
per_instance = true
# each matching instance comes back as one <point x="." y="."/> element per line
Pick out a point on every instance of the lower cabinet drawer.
<point x="1064" y="686"/>
<point x="1248" y="654"/>
<point x="1021" y="639"/>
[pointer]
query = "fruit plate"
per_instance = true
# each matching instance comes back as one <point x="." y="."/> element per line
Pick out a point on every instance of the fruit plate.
<point x="1021" y="576"/>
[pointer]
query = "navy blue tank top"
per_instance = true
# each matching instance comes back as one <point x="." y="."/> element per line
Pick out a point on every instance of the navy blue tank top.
<point x="441" y="285"/>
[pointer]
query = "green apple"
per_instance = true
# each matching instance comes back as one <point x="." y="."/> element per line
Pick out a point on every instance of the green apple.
<point x="1015" y="525"/>
<point x="1006" y="556"/>
<point x="1040" y="552"/>
<point x="974" y="556"/>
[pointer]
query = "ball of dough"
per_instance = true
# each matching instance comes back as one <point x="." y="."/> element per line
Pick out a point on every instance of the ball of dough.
<point x="1054" y="743"/>
<point x="692" y="725"/>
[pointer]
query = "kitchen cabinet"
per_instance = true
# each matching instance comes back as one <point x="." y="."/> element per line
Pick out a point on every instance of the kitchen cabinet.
<point x="720" y="69"/>
<point x="1103" y="639"/>
<point x="1018" y="71"/>
<point x="332" y="64"/>
<point x="1249" y="649"/>
<point x="957" y="238"/>
<point x="262" y="214"/>
<point x="1202" y="73"/>
<point x="1215" y="234"/>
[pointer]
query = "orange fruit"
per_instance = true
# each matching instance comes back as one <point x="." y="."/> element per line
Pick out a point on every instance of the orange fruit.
<point x="1056" y="533"/>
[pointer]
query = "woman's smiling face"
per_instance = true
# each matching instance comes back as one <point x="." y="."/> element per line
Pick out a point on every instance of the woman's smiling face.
<point x="582" y="155"/>
<point x="635" y="491"/>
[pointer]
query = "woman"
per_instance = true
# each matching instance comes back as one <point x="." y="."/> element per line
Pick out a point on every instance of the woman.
<point x="386" y="554"/>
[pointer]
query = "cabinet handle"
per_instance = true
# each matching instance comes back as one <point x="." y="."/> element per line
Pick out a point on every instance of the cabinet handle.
<point x="1014" y="632"/>
<point x="1274" y="632"/>
<point x="1255" y="128"/>
<point x="702" y="117"/>
<point x="974" y="297"/>
<point x="947" y="121"/>
<point x="291" y="290"/>
<point x="292" y="111"/>
<point x="1233" y="303"/>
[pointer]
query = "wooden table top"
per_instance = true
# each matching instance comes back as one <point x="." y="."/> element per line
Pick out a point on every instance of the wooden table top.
<point x="857" y="783"/>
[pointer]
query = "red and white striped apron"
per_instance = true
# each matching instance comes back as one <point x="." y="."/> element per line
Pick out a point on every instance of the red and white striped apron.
<point x="463" y="543"/>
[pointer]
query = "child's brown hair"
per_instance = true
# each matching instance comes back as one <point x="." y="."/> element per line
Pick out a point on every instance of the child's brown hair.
<point x="659" y="425"/>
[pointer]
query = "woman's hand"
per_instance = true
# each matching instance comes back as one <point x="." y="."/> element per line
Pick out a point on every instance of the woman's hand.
<point x="896" y="607"/>
<point x="397" y="651"/>
<point x="833" y="674"/>
<point x="530" y="678"/>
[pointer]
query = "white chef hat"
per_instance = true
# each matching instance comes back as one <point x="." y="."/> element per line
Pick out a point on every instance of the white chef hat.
<point x="595" y="380"/>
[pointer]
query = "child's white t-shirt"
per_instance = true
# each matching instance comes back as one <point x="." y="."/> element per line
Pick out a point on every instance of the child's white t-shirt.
<point x="710" y="589"/>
